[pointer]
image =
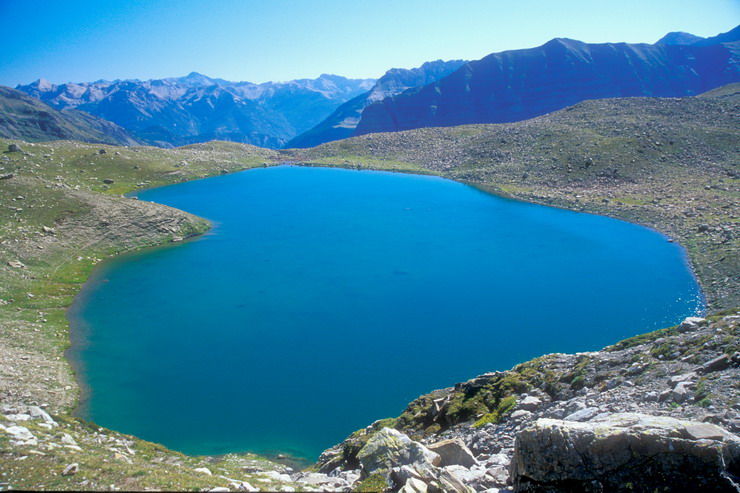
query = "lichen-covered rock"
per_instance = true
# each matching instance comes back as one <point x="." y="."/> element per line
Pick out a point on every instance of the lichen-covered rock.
<point x="390" y="448"/>
<point x="625" y="451"/>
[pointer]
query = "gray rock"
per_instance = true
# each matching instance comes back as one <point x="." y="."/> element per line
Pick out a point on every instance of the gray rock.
<point x="450" y="483"/>
<point x="499" y="474"/>
<point x="681" y="391"/>
<point x="19" y="433"/>
<point x="717" y="364"/>
<point x="38" y="413"/>
<point x="530" y="403"/>
<point x="707" y="431"/>
<point x="68" y="440"/>
<point x="71" y="469"/>
<point x="466" y="475"/>
<point x="520" y="414"/>
<point x="414" y="485"/>
<point x="686" y="377"/>
<point x="14" y="148"/>
<point x="691" y="323"/>
<point x="583" y="415"/>
<point x="453" y="452"/>
<point x="605" y="455"/>
<point x="573" y="405"/>
<point x="390" y="448"/>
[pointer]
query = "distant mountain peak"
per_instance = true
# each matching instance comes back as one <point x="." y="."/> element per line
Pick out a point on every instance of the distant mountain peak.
<point x="42" y="85"/>
<point x="679" y="38"/>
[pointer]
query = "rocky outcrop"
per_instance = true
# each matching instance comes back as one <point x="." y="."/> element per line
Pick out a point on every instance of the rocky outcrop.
<point x="650" y="410"/>
<point x="622" y="452"/>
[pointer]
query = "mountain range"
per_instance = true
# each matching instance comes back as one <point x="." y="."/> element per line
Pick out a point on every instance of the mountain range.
<point x="342" y="122"/>
<point x="521" y="84"/>
<point x="501" y="87"/>
<point x="196" y="108"/>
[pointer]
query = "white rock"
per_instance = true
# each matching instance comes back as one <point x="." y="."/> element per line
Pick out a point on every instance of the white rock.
<point x="530" y="403"/>
<point x="19" y="433"/>
<point x="38" y="413"/>
<point x="219" y="489"/>
<point x="68" y="440"/>
<point x="520" y="413"/>
<point x="203" y="470"/>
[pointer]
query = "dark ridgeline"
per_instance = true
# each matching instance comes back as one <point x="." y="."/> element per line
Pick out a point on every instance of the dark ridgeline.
<point x="521" y="84"/>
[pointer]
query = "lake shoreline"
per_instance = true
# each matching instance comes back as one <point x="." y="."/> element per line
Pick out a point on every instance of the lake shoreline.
<point x="36" y="327"/>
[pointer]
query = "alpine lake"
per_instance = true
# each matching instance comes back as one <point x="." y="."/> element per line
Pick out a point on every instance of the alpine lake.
<point x="324" y="299"/>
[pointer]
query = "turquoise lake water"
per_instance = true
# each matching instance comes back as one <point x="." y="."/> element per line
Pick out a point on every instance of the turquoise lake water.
<point x="324" y="299"/>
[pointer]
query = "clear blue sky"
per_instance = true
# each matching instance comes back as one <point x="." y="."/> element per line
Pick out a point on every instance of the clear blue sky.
<point x="261" y="40"/>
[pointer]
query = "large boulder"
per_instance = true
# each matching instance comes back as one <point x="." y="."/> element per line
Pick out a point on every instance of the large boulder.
<point x="453" y="452"/>
<point x="390" y="448"/>
<point x="623" y="452"/>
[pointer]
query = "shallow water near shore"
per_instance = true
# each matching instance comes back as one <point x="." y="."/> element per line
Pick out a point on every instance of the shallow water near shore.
<point x="324" y="299"/>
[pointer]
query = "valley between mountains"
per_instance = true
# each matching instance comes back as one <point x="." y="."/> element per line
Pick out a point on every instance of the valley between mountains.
<point x="670" y="164"/>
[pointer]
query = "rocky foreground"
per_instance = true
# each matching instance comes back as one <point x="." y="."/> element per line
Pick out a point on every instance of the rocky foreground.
<point x="652" y="412"/>
<point x="657" y="411"/>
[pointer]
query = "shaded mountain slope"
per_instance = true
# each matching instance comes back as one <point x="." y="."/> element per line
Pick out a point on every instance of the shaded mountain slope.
<point x="516" y="85"/>
<point x="25" y="118"/>
<point x="343" y="121"/>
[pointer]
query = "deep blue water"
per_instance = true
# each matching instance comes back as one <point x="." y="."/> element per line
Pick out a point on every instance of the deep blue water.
<point x="324" y="299"/>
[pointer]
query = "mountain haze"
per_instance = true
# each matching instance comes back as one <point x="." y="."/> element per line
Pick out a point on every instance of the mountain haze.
<point x="196" y="108"/>
<point x="520" y="84"/>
